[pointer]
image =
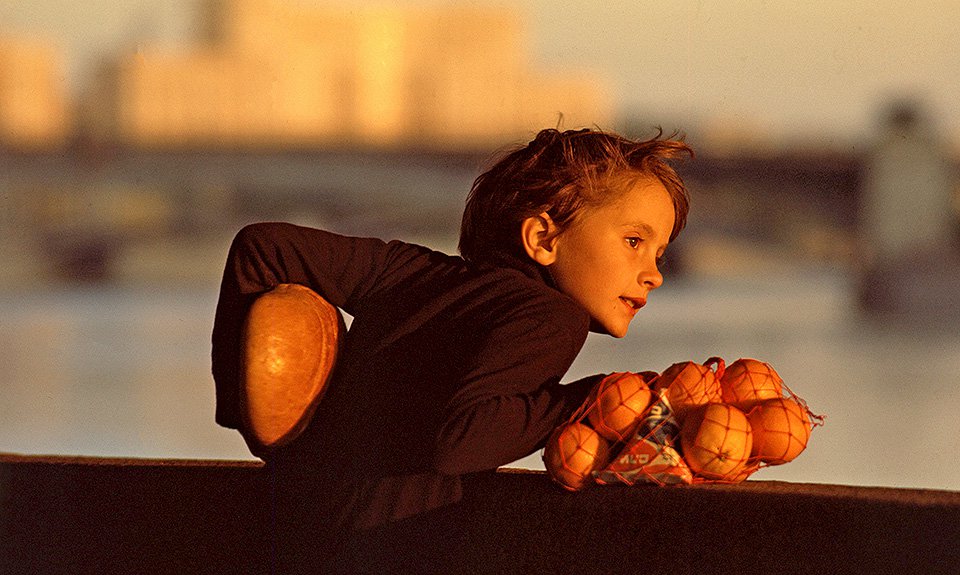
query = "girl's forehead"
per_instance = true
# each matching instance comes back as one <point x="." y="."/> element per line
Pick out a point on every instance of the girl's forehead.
<point x="644" y="200"/>
<point x="639" y="192"/>
<point x="615" y="187"/>
<point x="648" y="205"/>
<point x="629" y="197"/>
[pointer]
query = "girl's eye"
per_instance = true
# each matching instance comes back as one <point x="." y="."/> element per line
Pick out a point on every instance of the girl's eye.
<point x="633" y="242"/>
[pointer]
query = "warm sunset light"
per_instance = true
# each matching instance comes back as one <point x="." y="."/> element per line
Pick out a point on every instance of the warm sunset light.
<point x="138" y="136"/>
<point x="269" y="73"/>
<point x="34" y="112"/>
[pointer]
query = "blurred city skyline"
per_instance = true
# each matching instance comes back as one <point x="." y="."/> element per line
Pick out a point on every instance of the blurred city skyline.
<point x="751" y="70"/>
<point x="271" y="74"/>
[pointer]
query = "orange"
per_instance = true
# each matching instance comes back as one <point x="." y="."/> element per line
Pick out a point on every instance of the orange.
<point x="687" y="385"/>
<point x="621" y="399"/>
<point x="573" y="451"/>
<point x="748" y="381"/>
<point x="781" y="429"/>
<point x="746" y="471"/>
<point x="717" y="442"/>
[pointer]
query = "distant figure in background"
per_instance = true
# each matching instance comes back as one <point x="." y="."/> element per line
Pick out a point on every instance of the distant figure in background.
<point x="908" y="220"/>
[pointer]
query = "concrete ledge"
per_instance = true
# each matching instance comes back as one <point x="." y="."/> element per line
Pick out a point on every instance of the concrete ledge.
<point x="95" y="515"/>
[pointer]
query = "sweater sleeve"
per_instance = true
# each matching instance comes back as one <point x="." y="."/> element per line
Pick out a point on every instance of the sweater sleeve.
<point x="344" y="270"/>
<point x="512" y="398"/>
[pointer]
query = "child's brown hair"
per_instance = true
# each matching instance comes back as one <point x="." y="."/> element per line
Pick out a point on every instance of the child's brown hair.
<point x="562" y="173"/>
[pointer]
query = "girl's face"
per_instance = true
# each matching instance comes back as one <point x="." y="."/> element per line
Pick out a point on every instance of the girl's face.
<point x="607" y="258"/>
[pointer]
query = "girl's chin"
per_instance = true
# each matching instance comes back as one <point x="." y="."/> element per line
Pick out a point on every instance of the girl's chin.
<point x="618" y="334"/>
<point x="616" y="331"/>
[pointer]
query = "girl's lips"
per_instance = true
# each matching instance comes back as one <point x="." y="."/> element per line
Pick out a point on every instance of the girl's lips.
<point x="633" y="303"/>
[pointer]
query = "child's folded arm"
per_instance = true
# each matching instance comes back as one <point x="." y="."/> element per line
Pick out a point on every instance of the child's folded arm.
<point x="512" y="399"/>
<point x="341" y="269"/>
<point x="500" y="430"/>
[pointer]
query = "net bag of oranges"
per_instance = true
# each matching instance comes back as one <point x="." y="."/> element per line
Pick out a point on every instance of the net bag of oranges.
<point x="692" y="423"/>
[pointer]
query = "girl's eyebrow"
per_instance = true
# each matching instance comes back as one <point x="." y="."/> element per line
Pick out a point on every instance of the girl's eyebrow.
<point x="641" y="226"/>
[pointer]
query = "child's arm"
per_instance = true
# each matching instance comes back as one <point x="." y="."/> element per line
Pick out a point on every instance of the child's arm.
<point x="511" y="399"/>
<point x="342" y="270"/>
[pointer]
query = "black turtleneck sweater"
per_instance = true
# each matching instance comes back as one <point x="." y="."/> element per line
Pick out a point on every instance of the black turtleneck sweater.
<point x="448" y="368"/>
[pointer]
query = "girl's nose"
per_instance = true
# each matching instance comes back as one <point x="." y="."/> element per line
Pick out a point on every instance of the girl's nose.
<point x="651" y="277"/>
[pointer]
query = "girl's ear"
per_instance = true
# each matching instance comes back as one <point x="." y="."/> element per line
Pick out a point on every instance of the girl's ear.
<point x="539" y="236"/>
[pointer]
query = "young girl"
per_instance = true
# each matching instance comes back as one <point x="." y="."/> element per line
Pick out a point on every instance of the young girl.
<point x="453" y="365"/>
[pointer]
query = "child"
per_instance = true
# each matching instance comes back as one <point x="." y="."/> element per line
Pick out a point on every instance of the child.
<point x="452" y="365"/>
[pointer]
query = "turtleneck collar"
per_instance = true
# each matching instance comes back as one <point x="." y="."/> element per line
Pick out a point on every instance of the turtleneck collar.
<point x="526" y="266"/>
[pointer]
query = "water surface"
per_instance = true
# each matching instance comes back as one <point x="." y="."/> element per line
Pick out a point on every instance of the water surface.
<point x="124" y="371"/>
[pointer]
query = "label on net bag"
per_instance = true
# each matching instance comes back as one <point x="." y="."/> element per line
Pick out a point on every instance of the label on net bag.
<point x="650" y="456"/>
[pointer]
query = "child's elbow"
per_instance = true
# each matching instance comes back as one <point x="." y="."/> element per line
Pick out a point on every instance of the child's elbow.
<point x="472" y="439"/>
<point x="464" y="452"/>
<point x="449" y="466"/>
<point x="452" y="461"/>
<point x="255" y="235"/>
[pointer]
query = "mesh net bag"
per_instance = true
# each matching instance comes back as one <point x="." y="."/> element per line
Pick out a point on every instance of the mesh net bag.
<point x="693" y="423"/>
<point x="747" y="381"/>
<point x="619" y="401"/>
<point x="688" y="385"/>
<point x="573" y="452"/>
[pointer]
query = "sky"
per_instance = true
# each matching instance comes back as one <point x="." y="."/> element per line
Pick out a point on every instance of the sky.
<point x="819" y="69"/>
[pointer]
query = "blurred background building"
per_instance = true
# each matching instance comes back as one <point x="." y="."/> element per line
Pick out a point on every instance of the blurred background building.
<point x="34" y="108"/>
<point x="137" y="136"/>
<point x="910" y="260"/>
<point x="260" y="79"/>
<point x="271" y="73"/>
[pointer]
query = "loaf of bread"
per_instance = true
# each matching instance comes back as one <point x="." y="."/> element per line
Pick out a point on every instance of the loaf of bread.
<point x="291" y="339"/>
